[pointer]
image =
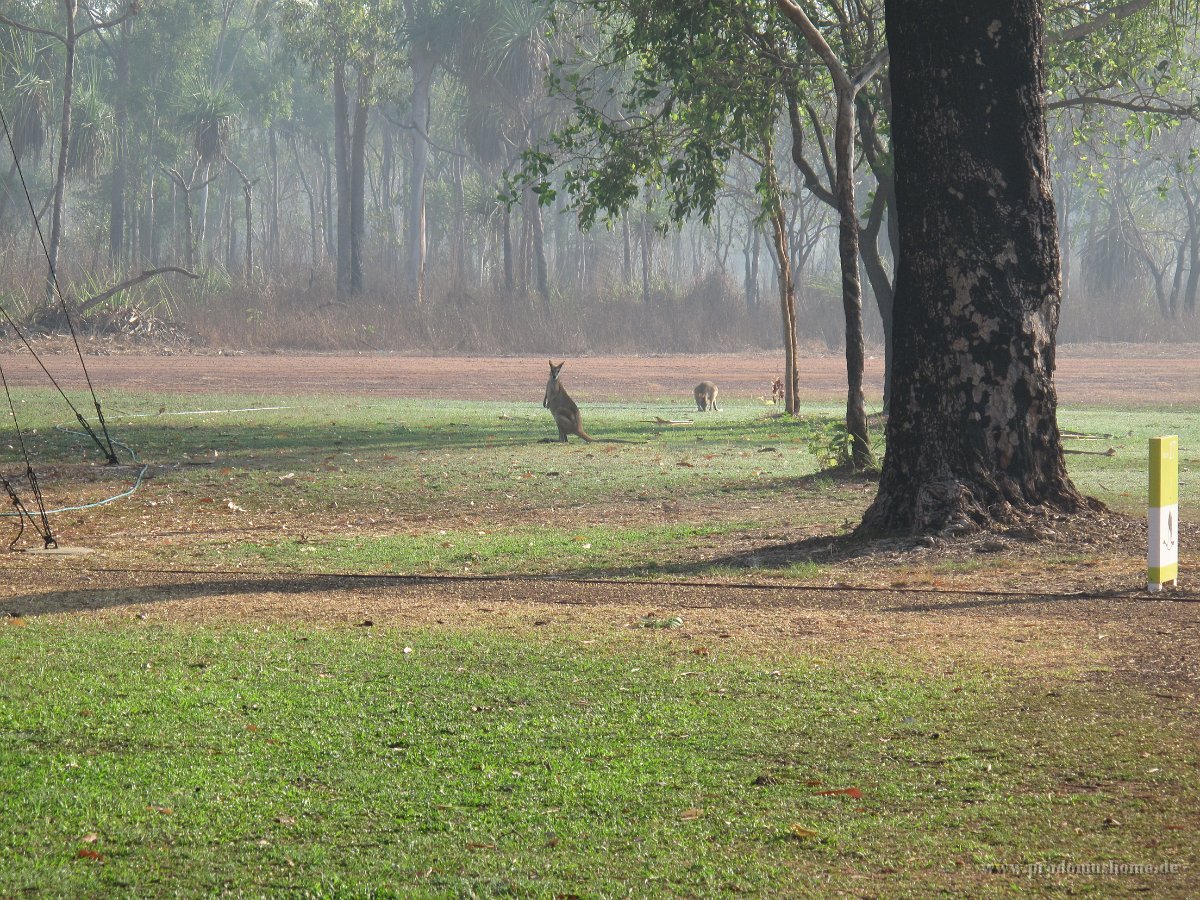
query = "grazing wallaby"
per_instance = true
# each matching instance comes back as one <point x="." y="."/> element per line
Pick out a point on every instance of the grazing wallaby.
<point x="777" y="390"/>
<point x="706" y="396"/>
<point x="562" y="407"/>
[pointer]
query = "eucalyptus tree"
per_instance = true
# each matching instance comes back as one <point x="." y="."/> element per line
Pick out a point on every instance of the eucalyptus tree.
<point x="973" y="434"/>
<point x="660" y="109"/>
<point x="847" y="85"/>
<point x="76" y="25"/>
<point x="354" y="48"/>
<point x="209" y="118"/>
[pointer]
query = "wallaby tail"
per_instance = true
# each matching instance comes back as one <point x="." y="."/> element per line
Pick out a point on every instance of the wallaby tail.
<point x="583" y="434"/>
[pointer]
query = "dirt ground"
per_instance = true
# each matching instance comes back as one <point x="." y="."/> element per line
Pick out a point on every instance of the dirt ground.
<point x="1096" y="620"/>
<point x="1115" y="374"/>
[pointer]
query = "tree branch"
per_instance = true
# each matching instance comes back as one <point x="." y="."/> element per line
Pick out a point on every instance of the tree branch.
<point x="12" y="23"/>
<point x="95" y="300"/>
<point x="130" y="11"/>
<point x="1109" y="17"/>
<point x="1165" y="107"/>
<point x="798" y="17"/>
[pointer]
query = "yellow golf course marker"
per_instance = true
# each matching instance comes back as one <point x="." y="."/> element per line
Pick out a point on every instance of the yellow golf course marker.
<point x="1162" y="552"/>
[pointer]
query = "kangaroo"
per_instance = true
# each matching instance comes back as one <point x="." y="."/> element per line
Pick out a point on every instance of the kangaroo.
<point x="706" y="396"/>
<point x="777" y="390"/>
<point x="562" y="407"/>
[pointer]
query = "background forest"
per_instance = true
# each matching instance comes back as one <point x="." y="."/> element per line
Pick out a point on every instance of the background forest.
<point x="513" y="175"/>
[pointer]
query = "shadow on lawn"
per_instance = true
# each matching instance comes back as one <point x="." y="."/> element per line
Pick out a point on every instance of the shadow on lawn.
<point x="567" y="590"/>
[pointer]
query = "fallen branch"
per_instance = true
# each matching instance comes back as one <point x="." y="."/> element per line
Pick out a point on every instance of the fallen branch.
<point x="96" y="300"/>
<point x="659" y="420"/>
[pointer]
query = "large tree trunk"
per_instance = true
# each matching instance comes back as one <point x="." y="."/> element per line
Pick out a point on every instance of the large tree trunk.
<point x="973" y="433"/>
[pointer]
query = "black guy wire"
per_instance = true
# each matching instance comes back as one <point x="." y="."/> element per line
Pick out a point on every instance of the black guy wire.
<point x="44" y="531"/>
<point x="110" y="453"/>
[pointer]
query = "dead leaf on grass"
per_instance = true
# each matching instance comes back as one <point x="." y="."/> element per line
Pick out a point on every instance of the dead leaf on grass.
<point x="476" y="845"/>
<point x="90" y="838"/>
<point x="848" y="792"/>
<point x="700" y="651"/>
<point x="88" y="853"/>
<point x="689" y="814"/>
<point x="799" y="831"/>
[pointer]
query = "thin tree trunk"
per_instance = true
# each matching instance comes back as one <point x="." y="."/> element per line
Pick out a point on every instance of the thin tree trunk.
<point x="537" y="248"/>
<point x="506" y="237"/>
<point x="973" y="435"/>
<point x="120" y="177"/>
<point x="248" y="195"/>
<point x="627" y="253"/>
<point x="787" y="288"/>
<point x="64" y="144"/>
<point x="358" y="183"/>
<point x="1193" y="280"/>
<point x="327" y="235"/>
<point x="856" y="416"/>
<point x="645" y="262"/>
<point x="460" y="212"/>
<point x="422" y="71"/>
<point x="341" y="165"/>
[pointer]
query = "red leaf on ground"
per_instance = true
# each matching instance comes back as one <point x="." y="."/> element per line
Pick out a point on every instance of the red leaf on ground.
<point x="88" y="853"/>
<point x="849" y="792"/>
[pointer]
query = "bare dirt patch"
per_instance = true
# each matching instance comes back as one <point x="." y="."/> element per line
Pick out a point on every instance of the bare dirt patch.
<point x="1091" y="374"/>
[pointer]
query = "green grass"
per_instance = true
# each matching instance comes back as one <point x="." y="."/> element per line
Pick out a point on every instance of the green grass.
<point x="357" y="485"/>
<point x="202" y="761"/>
<point x="586" y="551"/>
<point x="1121" y="480"/>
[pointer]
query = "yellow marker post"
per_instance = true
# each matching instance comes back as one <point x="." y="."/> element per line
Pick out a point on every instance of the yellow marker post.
<point x="1162" y="555"/>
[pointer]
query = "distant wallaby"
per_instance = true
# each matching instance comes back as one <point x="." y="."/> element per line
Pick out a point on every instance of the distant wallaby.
<point x="562" y="407"/>
<point x="777" y="393"/>
<point x="706" y="396"/>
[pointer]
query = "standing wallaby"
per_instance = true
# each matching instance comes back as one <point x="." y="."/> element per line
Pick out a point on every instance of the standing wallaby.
<point x="706" y="396"/>
<point x="562" y="407"/>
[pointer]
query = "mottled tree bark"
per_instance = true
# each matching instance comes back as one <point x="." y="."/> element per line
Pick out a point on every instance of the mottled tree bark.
<point x="973" y="434"/>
